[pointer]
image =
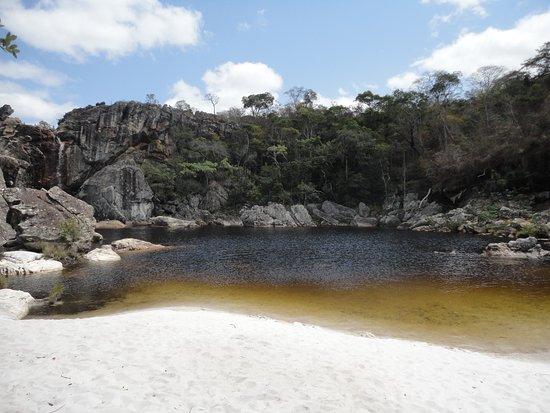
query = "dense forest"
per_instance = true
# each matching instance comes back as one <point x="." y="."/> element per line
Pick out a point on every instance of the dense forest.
<point x="446" y="135"/>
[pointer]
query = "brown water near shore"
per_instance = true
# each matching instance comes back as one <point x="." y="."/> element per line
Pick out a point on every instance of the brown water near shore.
<point x="495" y="319"/>
<point x="386" y="283"/>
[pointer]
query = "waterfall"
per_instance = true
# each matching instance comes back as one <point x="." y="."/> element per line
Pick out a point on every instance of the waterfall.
<point x="60" y="163"/>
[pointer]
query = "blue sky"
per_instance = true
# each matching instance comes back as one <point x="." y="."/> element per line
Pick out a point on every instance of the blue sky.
<point x="79" y="52"/>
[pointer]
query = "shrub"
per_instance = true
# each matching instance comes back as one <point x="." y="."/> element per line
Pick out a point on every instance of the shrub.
<point x="55" y="293"/>
<point x="3" y="281"/>
<point x="59" y="252"/>
<point x="70" y="230"/>
<point x="532" y="230"/>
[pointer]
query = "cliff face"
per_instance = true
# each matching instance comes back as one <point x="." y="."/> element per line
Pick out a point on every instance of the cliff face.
<point x="96" y="151"/>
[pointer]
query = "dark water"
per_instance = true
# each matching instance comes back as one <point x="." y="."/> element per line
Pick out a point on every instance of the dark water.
<point x="433" y="287"/>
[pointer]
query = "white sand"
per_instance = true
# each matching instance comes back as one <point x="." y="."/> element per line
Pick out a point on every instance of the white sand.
<point x="191" y="360"/>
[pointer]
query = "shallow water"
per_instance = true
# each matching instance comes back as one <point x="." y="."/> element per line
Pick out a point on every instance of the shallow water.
<point x="430" y="287"/>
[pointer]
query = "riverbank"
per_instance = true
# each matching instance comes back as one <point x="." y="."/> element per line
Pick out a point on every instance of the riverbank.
<point x="193" y="360"/>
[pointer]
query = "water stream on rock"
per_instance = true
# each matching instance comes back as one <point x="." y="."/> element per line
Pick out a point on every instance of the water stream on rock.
<point x="390" y="283"/>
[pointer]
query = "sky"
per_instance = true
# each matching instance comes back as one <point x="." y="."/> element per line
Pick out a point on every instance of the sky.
<point x="79" y="52"/>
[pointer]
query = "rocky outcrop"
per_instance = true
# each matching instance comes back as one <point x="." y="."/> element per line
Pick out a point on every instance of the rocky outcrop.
<point x="26" y="262"/>
<point x="523" y="248"/>
<point x="104" y="253"/>
<point x="133" y="244"/>
<point x="270" y="215"/>
<point x="14" y="304"/>
<point x="119" y="191"/>
<point x="215" y="198"/>
<point x="48" y="216"/>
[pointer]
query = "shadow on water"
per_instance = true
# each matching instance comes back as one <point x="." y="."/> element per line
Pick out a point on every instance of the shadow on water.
<point x="400" y="284"/>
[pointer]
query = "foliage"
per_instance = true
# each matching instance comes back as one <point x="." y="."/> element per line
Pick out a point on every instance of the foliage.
<point x="55" y="293"/>
<point x="70" y="230"/>
<point x="448" y="134"/>
<point x="7" y="43"/>
<point x="3" y="281"/>
<point x="532" y="230"/>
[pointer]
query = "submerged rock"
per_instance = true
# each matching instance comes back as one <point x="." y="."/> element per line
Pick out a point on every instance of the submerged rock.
<point x="27" y="262"/>
<point x="103" y="253"/>
<point x="14" y="304"/>
<point x="133" y="244"/>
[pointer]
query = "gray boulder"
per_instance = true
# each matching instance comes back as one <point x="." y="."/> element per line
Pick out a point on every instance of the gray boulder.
<point x="119" y="192"/>
<point x="523" y="244"/>
<point x="52" y="215"/>
<point x="14" y="304"/>
<point x="365" y="222"/>
<point x="173" y="223"/>
<point x="363" y="209"/>
<point x="301" y="216"/>
<point x="338" y="212"/>
<point x="390" y="220"/>
<point x="272" y="214"/>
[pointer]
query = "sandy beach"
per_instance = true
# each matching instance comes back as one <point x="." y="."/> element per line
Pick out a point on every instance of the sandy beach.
<point x="192" y="360"/>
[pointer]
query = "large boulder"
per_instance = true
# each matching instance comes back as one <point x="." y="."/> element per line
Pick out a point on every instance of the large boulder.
<point x="272" y="214"/>
<point x="119" y="192"/>
<point x="365" y="222"/>
<point x="523" y="244"/>
<point x="110" y="224"/>
<point x="340" y="213"/>
<point x="27" y="262"/>
<point x="301" y="216"/>
<point x="14" y="304"/>
<point x="41" y="216"/>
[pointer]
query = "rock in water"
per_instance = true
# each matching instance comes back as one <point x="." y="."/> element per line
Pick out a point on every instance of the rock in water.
<point x="172" y="223"/>
<point x="110" y="224"/>
<point x="103" y="253"/>
<point x="526" y="248"/>
<point x="363" y="222"/>
<point x="272" y="214"/>
<point x="14" y="304"/>
<point x="26" y="262"/>
<point x="132" y="244"/>
<point x="119" y="192"/>
<point x="52" y="215"/>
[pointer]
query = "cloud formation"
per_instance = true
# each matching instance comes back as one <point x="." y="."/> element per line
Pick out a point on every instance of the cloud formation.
<point x="460" y="6"/>
<point x="21" y="70"/>
<point x="80" y="28"/>
<point x="230" y="82"/>
<point x="470" y="51"/>
<point x="32" y="106"/>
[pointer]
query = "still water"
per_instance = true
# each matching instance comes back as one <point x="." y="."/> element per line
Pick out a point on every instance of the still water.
<point x="424" y="286"/>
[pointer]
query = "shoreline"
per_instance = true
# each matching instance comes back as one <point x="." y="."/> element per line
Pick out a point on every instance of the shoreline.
<point x="187" y="358"/>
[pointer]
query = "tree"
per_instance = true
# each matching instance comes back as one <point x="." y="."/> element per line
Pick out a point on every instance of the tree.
<point x="295" y="94"/>
<point x="541" y="62"/>
<point x="258" y="103"/>
<point x="310" y="96"/>
<point x="213" y="99"/>
<point x="7" y="45"/>
<point x="151" y="99"/>
<point x="183" y="105"/>
<point x="484" y="81"/>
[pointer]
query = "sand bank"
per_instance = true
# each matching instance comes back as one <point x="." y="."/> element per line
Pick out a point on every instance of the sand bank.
<point x="192" y="360"/>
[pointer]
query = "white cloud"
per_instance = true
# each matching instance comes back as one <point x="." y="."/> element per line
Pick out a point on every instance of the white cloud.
<point x="21" y="70"/>
<point x="403" y="81"/>
<point x="243" y="27"/>
<point x="230" y="82"/>
<point x="92" y="27"/>
<point x="470" y="51"/>
<point x="32" y="106"/>
<point x="508" y="48"/>
<point x="475" y="6"/>
<point x="343" y="99"/>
